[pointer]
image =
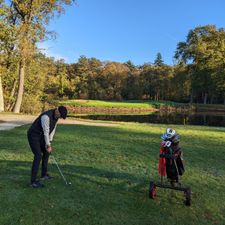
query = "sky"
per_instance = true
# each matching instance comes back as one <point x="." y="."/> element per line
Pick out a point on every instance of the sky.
<point x="122" y="30"/>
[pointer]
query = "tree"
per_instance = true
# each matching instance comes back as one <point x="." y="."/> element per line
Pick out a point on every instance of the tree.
<point x="131" y="65"/>
<point x="3" y="38"/>
<point x="132" y="88"/>
<point x="181" y="84"/>
<point x="155" y="81"/>
<point x="30" y="20"/>
<point x="81" y="76"/>
<point x="94" y="78"/>
<point x="1" y="96"/>
<point x="204" y="48"/>
<point x="158" y="61"/>
<point x="115" y="74"/>
<point x="34" y="84"/>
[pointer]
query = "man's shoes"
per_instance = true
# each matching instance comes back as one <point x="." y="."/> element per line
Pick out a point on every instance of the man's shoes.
<point x="36" y="184"/>
<point x="46" y="177"/>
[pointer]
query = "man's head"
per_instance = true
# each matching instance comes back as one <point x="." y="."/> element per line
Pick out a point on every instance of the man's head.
<point x="61" y="112"/>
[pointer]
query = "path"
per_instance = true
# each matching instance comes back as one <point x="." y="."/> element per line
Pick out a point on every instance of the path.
<point x="10" y="121"/>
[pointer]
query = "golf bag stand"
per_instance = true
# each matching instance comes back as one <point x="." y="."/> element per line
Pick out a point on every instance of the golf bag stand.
<point x="173" y="168"/>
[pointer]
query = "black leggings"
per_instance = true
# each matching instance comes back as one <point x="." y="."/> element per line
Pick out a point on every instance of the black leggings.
<point x="37" y="145"/>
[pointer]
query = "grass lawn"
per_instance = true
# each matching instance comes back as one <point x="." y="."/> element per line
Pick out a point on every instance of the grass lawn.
<point x="110" y="169"/>
<point x="119" y="104"/>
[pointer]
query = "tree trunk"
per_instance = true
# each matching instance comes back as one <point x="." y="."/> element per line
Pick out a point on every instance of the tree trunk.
<point x="212" y="100"/>
<point x="191" y="98"/>
<point x="205" y="98"/>
<point x="10" y="105"/>
<point x="1" y="97"/>
<point x="21" y="87"/>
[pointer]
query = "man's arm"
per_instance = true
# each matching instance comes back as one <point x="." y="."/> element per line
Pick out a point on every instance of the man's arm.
<point x="45" y="123"/>
<point x="52" y="134"/>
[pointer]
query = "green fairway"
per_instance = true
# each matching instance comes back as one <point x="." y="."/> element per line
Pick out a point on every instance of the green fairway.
<point x="120" y="104"/>
<point x="110" y="169"/>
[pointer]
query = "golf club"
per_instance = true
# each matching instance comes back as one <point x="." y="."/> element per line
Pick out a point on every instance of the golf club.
<point x="66" y="182"/>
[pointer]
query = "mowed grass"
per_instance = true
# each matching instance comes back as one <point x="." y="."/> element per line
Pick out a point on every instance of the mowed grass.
<point x="110" y="169"/>
<point x="119" y="104"/>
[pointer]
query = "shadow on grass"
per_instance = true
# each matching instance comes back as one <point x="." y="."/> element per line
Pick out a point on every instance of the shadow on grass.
<point x="18" y="172"/>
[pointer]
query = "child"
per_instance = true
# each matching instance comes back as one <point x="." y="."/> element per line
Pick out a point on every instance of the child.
<point x="170" y="162"/>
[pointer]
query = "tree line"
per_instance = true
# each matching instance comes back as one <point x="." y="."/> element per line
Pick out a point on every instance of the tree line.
<point x="30" y="81"/>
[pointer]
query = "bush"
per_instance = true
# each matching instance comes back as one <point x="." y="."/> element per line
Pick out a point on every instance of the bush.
<point x="31" y="104"/>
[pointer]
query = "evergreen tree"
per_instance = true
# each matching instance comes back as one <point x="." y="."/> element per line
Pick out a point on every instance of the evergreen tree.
<point x="158" y="61"/>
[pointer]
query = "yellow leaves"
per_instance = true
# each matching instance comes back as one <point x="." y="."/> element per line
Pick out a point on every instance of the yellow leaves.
<point x="115" y="68"/>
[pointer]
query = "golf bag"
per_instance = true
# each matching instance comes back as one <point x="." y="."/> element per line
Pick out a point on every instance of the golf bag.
<point x="170" y="166"/>
<point x="170" y="161"/>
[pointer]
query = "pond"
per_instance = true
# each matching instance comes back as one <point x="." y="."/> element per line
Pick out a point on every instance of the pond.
<point x="207" y="119"/>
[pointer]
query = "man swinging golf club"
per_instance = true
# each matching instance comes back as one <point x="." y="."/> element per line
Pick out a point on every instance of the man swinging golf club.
<point x="40" y="136"/>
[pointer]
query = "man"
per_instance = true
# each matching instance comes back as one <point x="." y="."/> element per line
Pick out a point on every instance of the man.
<point x="40" y="136"/>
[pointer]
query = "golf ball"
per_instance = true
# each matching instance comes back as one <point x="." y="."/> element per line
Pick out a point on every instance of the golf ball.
<point x="69" y="183"/>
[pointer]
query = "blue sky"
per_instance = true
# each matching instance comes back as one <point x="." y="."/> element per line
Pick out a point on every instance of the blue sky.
<point x="122" y="30"/>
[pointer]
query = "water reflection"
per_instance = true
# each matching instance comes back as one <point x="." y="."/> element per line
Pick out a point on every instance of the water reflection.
<point x="165" y="118"/>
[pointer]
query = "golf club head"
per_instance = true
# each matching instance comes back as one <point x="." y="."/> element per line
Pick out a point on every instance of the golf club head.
<point x="168" y="143"/>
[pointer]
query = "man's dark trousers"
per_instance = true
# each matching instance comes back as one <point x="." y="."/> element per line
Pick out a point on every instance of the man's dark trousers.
<point x="37" y="145"/>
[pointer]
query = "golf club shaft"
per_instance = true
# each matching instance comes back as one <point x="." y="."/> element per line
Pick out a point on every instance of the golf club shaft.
<point x="176" y="167"/>
<point x="59" y="170"/>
